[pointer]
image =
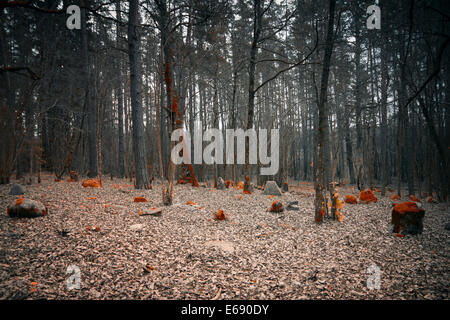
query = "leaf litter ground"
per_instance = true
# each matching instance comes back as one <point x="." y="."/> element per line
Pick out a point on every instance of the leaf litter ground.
<point x="185" y="253"/>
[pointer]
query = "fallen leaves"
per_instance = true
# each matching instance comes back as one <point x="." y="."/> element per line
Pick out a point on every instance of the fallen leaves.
<point x="220" y="215"/>
<point x="217" y="296"/>
<point x="33" y="286"/>
<point x="148" y="268"/>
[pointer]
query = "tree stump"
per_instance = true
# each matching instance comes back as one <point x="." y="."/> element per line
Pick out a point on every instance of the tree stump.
<point x="74" y="176"/>
<point x="407" y="218"/>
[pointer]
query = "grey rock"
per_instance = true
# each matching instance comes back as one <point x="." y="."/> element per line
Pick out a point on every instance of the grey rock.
<point x="272" y="188"/>
<point x="220" y="184"/>
<point x="26" y="208"/>
<point x="16" y="190"/>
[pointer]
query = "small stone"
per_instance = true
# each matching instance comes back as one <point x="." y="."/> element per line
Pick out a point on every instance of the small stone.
<point x="152" y="212"/>
<point x="138" y="226"/>
<point x="224" y="245"/>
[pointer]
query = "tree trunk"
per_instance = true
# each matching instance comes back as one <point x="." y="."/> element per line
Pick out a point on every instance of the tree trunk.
<point x="142" y="180"/>
<point x="323" y="167"/>
<point x="91" y="108"/>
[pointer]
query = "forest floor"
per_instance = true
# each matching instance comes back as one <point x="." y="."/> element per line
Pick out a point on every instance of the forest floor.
<point x="186" y="254"/>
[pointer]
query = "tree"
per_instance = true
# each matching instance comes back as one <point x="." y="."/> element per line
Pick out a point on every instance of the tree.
<point x="142" y="180"/>
<point x="323" y="174"/>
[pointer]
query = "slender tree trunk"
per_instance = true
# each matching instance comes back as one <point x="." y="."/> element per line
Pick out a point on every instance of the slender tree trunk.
<point x="384" y="128"/>
<point x="121" y="160"/>
<point x="257" y="21"/>
<point x="323" y="174"/>
<point x="91" y="108"/>
<point x="142" y="180"/>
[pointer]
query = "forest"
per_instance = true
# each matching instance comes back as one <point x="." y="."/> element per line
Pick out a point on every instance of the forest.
<point x="118" y="122"/>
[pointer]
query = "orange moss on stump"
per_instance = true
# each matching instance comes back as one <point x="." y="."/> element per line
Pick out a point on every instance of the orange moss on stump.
<point x="407" y="218"/>
<point x="408" y="206"/>
<point x="93" y="183"/>
<point x="367" y="196"/>
<point x="276" y="206"/>
<point x="140" y="199"/>
<point x="351" y="199"/>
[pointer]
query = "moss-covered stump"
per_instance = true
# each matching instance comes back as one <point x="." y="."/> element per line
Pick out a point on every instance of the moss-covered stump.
<point x="407" y="218"/>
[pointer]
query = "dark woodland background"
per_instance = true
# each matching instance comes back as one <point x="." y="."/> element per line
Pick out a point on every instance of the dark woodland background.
<point x="353" y="105"/>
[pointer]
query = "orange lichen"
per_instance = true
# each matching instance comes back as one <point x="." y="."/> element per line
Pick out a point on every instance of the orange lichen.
<point x="220" y="215"/>
<point x="92" y="228"/>
<point x="322" y="212"/>
<point x="140" y="199"/>
<point x="247" y="192"/>
<point x="240" y="185"/>
<point x="228" y="183"/>
<point x="190" y="203"/>
<point x="351" y="199"/>
<point x="19" y="201"/>
<point x="367" y="196"/>
<point x="276" y="206"/>
<point x="395" y="197"/>
<point x="93" y="183"/>
<point x="407" y="206"/>
<point x="414" y="198"/>
<point x="181" y="181"/>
